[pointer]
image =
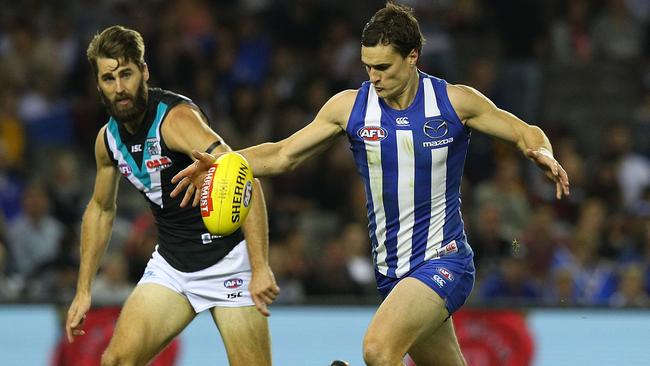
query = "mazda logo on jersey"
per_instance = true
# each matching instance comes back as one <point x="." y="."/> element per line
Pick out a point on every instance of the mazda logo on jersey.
<point x="436" y="128"/>
<point x="372" y="133"/>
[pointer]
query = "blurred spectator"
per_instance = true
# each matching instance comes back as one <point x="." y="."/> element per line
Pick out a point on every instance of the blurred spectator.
<point x="511" y="282"/>
<point x="11" y="187"/>
<point x="571" y="34"/>
<point x="487" y="239"/>
<point x="12" y="133"/>
<point x="112" y="286"/>
<point x="506" y="190"/>
<point x="540" y="239"/>
<point x="619" y="238"/>
<point x="617" y="35"/>
<point x="290" y="266"/>
<point x="140" y="244"/>
<point x="64" y="188"/>
<point x="34" y="236"/>
<point x="631" y="290"/>
<point x="55" y="279"/>
<point x="253" y="54"/>
<point x="331" y="276"/>
<point x="560" y="290"/>
<point x="356" y="245"/>
<point x="246" y="123"/>
<point x="632" y="169"/>
<point x="9" y="285"/>
<point x="522" y="31"/>
<point x="594" y="277"/>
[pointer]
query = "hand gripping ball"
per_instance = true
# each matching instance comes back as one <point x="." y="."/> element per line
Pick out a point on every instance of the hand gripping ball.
<point x="226" y="194"/>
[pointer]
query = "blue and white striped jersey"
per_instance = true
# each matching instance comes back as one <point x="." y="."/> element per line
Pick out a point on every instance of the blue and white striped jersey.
<point x="411" y="162"/>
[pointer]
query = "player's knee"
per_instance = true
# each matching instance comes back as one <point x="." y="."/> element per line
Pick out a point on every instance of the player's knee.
<point x="378" y="353"/>
<point x="110" y="357"/>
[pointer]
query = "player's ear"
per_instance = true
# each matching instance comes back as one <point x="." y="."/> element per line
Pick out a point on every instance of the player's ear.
<point x="145" y="72"/>
<point x="412" y="57"/>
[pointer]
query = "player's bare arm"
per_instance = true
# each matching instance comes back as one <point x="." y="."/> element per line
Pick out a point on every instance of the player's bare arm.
<point x="330" y="122"/>
<point x="479" y="113"/>
<point x="263" y="287"/>
<point x="277" y="157"/>
<point x="186" y="130"/>
<point x="95" y="233"/>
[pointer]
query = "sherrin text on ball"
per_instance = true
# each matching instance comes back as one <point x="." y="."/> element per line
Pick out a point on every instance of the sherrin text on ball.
<point x="226" y="194"/>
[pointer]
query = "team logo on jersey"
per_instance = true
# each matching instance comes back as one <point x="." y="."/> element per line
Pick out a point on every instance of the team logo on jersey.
<point x="439" y="281"/>
<point x="153" y="146"/>
<point x="372" y="133"/>
<point x="158" y="164"/>
<point x="436" y="128"/>
<point x="233" y="283"/>
<point x="402" y="121"/>
<point x="125" y="169"/>
<point x="446" y="274"/>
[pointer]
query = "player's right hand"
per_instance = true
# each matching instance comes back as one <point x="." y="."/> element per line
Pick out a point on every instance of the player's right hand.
<point x="76" y="316"/>
<point x="191" y="178"/>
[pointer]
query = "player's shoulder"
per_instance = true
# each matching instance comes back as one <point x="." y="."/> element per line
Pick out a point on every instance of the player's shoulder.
<point x="460" y="91"/>
<point x="101" y="151"/>
<point x="182" y="111"/>
<point x="340" y="105"/>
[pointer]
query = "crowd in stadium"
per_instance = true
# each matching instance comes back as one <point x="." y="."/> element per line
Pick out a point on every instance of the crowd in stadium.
<point x="260" y="69"/>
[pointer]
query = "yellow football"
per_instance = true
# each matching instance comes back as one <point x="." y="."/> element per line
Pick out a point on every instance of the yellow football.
<point x="226" y="194"/>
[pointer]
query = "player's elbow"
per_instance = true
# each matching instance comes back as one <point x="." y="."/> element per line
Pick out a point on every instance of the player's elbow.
<point x="287" y="162"/>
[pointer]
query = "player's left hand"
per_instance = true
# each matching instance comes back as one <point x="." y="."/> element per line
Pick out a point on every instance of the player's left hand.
<point x="263" y="289"/>
<point x="191" y="178"/>
<point x="553" y="170"/>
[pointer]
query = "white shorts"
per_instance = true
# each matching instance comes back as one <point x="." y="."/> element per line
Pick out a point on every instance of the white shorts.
<point x="222" y="284"/>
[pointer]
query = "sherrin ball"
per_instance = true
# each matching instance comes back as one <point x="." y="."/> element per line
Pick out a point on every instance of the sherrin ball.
<point x="226" y="194"/>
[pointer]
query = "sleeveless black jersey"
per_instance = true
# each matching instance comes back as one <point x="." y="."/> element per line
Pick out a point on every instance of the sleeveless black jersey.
<point x="145" y="160"/>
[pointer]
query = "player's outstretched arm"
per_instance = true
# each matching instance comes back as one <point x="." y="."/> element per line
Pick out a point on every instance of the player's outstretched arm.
<point x="278" y="157"/>
<point x="186" y="130"/>
<point x="479" y="113"/>
<point x="95" y="232"/>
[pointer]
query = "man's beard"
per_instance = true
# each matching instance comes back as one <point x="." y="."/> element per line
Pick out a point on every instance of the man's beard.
<point x="127" y="115"/>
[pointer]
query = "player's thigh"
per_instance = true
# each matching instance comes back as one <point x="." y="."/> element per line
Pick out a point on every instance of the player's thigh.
<point x="440" y="349"/>
<point x="245" y="334"/>
<point x="412" y="311"/>
<point x="151" y="317"/>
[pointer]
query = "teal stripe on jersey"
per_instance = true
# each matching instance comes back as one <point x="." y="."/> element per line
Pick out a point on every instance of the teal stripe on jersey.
<point x="153" y="133"/>
<point x="126" y="155"/>
<point x="139" y="172"/>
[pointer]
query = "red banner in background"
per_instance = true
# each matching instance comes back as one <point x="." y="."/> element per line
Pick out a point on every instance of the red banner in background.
<point x="87" y="350"/>
<point x="494" y="337"/>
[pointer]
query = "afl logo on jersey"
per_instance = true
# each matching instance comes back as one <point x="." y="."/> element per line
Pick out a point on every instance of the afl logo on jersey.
<point x="436" y="128"/>
<point x="372" y="133"/>
<point x="125" y="169"/>
<point x="233" y="283"/>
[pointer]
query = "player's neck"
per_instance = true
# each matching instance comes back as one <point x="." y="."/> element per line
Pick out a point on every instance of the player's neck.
<point x="404" y="99"/>
<point x="132" y="126"/>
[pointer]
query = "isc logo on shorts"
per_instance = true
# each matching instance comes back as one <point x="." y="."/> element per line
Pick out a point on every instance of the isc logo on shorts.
<point x="233" y="283"/>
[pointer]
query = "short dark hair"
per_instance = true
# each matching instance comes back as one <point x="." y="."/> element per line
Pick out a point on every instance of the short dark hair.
<point x="118" y="43"/>
<point x="394" y="25"/>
